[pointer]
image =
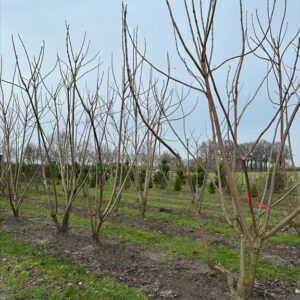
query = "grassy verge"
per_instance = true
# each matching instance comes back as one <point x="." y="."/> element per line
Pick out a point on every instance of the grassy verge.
<point x="26" y="273"/>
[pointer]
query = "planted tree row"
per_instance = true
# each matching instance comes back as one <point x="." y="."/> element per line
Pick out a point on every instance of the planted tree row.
<point x="91" y="126"/>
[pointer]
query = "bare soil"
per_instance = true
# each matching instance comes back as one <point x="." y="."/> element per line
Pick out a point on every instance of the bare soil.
<point x="287" y="253"/>
<point x="282" y="253"/>
<point x="158" y="276"/>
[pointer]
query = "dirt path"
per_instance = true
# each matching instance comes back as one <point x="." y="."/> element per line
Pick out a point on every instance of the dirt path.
<point x="135" y="265"/>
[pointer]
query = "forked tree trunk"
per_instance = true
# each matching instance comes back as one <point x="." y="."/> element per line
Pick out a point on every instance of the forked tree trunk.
<point x="95" y="237"/>
<point x="246" y="280"/>
<point x="96" y="230"/>
<point x="65" y="222"/>
<point x="93" y="226"/>
<point x="15" y="212"/>
<point x="14" y="208"/>
<point x="64" y="226"/>
<point x="142" y="204"/>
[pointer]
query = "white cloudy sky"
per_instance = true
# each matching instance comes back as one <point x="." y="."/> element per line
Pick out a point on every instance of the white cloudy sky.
<point x="37" y="20"/>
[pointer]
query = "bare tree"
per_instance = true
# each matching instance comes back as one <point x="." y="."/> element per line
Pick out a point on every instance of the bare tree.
<point x="17" y="126"/>
<point x="196" y="53"/>
<point x="58" y="113"/>
<point x="109" y="121"/>
<point x="149" y="97"/>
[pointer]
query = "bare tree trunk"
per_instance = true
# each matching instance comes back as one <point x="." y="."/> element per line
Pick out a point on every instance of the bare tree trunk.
<point x="142" y="203"/>
<point x="247" y="276"/>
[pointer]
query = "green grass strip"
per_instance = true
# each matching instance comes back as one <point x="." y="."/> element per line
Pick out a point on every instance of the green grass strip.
<point x="213" y="226"/>
<point x="27" y="273"/>
<point x="178" y="246"/>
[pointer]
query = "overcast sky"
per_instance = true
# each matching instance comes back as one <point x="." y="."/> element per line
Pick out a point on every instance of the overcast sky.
<point x="37" y="20"/>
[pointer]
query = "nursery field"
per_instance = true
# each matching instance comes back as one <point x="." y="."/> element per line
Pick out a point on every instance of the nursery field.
<point x="160" y="257"/>
<point x="150" y="160"/>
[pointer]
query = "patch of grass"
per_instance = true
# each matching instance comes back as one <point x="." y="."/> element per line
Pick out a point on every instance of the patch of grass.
<point x="29" y="274"/>
<point x="189" y="222"/>
<point x="284" y="238"/>
<point x="193" y="249"/>
<point x="179" y="246"/>
<point x="213" y="226"/>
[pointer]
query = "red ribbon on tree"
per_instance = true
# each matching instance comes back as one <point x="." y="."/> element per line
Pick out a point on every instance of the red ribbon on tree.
<point x="255" y="202"/>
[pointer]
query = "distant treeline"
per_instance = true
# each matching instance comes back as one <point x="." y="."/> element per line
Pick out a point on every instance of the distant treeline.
<point x="258" y="156"/>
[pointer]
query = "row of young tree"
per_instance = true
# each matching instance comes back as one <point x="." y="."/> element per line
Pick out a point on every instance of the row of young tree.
<point x="73" y="132"/>
<point x="90" y="125"/>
